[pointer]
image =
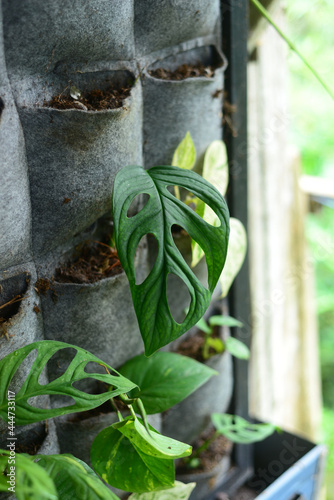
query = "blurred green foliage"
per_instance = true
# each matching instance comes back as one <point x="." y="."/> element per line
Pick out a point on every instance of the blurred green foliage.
<point x="312" y="124"/>
<point x="312" y="118"/>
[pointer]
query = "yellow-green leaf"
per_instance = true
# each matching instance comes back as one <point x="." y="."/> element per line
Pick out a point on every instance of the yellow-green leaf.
<point x="236" y="253"/>
<point x="185" y="154"/>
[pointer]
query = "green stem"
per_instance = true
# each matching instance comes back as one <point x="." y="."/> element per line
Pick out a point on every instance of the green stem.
<point x="205" y="445"/>
<point x="177" y="192"/>
<point x="267" y="16"/>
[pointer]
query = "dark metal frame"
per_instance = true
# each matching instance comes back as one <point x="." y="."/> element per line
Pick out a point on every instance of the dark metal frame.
<point x="234" y="38"/>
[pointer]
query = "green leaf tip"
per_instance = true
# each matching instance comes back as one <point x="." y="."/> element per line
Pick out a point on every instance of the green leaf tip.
<point x="161" y="212"/>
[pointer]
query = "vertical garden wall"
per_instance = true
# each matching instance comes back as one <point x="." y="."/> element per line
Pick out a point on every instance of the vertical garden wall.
<point x="58" y="165"/>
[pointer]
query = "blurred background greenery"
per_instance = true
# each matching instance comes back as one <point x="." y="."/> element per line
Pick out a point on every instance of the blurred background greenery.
<point x="311" y="29"/>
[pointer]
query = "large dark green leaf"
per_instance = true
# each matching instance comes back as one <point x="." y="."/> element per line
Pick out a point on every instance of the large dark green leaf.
<point x="123" y="465"/>
<point x="74" y="479"/>
<point x="160" y="213"/>
<point x="63" y="385"/>
<point x="165" y="379"/>
<point x="31" y="481"/>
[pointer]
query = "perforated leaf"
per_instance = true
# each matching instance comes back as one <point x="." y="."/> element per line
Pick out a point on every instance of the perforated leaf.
<point x="25" y="413"/>
<point x="239" y="430"/>
<point x="160" y="213"/>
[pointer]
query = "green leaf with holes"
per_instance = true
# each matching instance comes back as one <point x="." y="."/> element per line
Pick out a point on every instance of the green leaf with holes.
<point x="73" y="478"/>
<point x="25" y="413"/>
<point x="160" y="213"/>
<point x="122" y="464"/>
<point x="180" y="491"/>
<point x="185" y="154"/>
<point x="165" y="379"/>
<point x="31" y="480"/>
<point x="239" y="430"/>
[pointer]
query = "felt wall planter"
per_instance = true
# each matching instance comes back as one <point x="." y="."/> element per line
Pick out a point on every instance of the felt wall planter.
<point x="178" y="296"/>
<point x="173" y="107"/>
<point x="187" y="420"/>
<point x="23" y="320"/>
<point x="49" y="33"/>
<point x="172" y="22"/>
<point x="15" y="222"/>
<point x="73" y="156"/>
<point x="98" y="317"/>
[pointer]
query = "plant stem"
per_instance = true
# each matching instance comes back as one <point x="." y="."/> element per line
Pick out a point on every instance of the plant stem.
<point x="267" y="16"/>
<point x="205" y="445"/>
<point x="177" y="192"/>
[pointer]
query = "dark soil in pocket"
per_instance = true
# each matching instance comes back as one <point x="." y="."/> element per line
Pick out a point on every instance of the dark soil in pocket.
<point x="184" y="71"/>
<point x="192" y="347"/>
<point x="94" y="100"/>
<point x="96" y="261"/>
<point x="209" y="458"/>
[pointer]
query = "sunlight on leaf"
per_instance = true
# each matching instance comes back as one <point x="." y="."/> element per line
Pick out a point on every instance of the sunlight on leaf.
<point x="185" y="154"/>
<point x="236" y="254"/>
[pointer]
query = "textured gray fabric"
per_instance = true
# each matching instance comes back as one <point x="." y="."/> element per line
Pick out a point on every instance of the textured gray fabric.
<point x="25" y="325"/>
<point x="57" y="176"/>
<point x="172" y="108"/>
<point x="73" y="164"/>
<point x="164" y="23"/>
<point x="187" y="420"/>
<point x="15" y="219"/>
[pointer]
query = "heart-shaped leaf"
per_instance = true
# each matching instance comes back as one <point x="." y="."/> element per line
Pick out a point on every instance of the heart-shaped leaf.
<point x="153" y="444"/>
<point x="235" y="255"/>
<point x="180" y="491"/>
<point x="30" y="480"/>
<point x="239" y="430"/>
<point x="122" y="465"/>
<point x="63" y="385"/>
<point x="160" y="213"/>
<point x="73" y="478"/>
<point x="165" y="379"/>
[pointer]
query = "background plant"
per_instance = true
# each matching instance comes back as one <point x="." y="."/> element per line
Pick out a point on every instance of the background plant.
<point x="215" y="171"/>
<point x="230" y="344"/>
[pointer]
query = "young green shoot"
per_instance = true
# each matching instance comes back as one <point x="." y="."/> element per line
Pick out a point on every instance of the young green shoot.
<point x="231" y="344"/>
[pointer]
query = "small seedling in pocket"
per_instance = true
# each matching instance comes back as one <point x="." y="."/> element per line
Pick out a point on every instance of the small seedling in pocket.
<point x="214" y="345"/>
<point x="234" y="428"/>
